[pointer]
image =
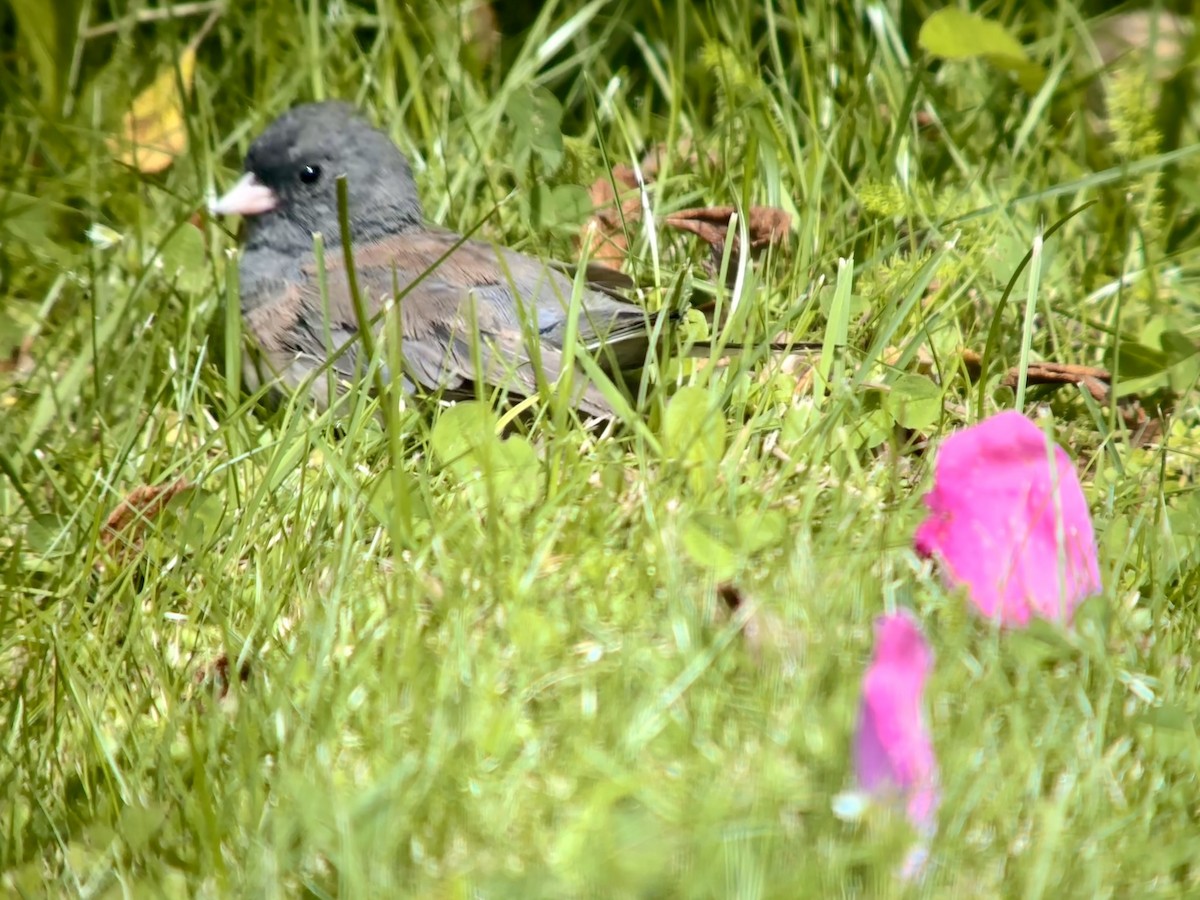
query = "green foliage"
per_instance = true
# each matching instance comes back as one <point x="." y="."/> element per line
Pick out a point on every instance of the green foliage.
<point x="953" y="34"/>
<point x="536" y="119"/>
<point x="486" y="655"/>
<point x="914" y="402"/>
<point x="694" y="435"/>
<point x="46" y="34"/>
<point x="500" y="475"/>
<point x="1131" y="117"/>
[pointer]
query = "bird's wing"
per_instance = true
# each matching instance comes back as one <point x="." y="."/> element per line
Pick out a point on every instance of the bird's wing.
<point x="518" y="291"/>
<point x="454" y="334"/>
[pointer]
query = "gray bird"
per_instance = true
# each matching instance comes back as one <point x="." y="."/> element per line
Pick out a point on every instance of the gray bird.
<point x="469" y="311"/>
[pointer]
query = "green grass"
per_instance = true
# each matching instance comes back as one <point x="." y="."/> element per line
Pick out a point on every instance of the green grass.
<point x="510" y="675"/>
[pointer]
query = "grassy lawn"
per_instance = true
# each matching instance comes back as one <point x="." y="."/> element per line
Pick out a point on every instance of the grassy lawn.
<point x="345" y="660"/>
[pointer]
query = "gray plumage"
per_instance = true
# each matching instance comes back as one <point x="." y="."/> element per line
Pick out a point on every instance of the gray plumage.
<point x="454" y="293"/>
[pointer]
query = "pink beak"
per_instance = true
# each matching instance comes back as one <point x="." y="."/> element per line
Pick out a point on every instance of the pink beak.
<point x="249" y="197"/>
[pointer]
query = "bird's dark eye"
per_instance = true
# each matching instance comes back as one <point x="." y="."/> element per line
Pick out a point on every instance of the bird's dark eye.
<point x="310" y="174"/>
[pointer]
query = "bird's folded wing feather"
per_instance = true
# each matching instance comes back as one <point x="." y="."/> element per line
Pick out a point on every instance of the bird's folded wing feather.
<point x="445" y="313"/>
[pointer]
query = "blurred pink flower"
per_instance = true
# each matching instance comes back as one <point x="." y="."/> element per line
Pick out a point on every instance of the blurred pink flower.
<point x="893" y="750"/>
<point x="1011" y="527"/>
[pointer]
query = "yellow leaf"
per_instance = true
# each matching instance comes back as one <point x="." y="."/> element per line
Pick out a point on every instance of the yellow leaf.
<point x="154" y="130"/>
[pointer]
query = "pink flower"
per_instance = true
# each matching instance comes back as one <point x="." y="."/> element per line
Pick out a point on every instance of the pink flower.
<point x="1010" y="526"/>
<point x="893" y="750"/>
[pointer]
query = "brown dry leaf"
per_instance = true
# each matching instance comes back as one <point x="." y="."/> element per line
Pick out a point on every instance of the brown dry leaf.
<point x="603" y="235"/>
<point x="921" y="117"/>
<point x="922" y="363"/>
<point x="153" y="131"/>
<point x="603" y="239"/>
<point x="1096" y="380"/>
<point x="804" y="384"/>
<point x="20" y="360"/>
<point x="721" y="362"/>
<point x="974" y="363"/>
<point x="684" y="150"/>
<point x="763" y="631"/>
<point x="215" y="675"/>
<point x="765" y="224"/>
<point x="1143" y="429"/>
<point x="128" y="520"/>
<point x="480" y="31"/>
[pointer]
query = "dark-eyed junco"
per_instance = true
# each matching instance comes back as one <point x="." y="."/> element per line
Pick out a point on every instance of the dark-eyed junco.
<point x="469" y="311"/>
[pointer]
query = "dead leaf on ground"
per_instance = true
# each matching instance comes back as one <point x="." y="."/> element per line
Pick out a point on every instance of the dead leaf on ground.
<point x="764" y="224"/>
<point x="216" y="675"/>
<point x="617" y="203"/>
<point x="764" y="632"/>
<point x="127" y="522"/>
<point x="20" y="361"/>
<point x="603" y="240"/>
<point x="921" y="363"/>
<point x="1095" y="379"/>
<point x="922" y="118"/>
<point x="480" y="31"/>
<point x="804" y="384"/>
<point x="790" y="356"/>
<point x="973" y="362"/>
<point x="153" y="131"/>
<point x="652" y="163"/>
<point x="1143" y="428"/>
